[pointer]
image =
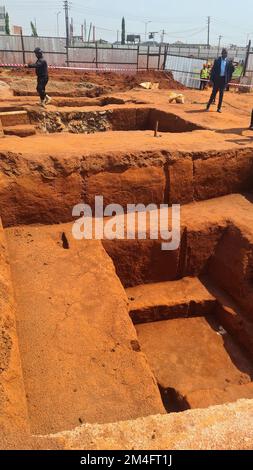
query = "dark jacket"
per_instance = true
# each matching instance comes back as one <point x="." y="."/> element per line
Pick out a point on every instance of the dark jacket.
<point x="215" y="73"/>
<point x="41" y="68"/>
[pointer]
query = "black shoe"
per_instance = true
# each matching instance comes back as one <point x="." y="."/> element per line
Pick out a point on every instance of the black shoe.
<point x="219" y="111"/>
<point x="207" y="108"/>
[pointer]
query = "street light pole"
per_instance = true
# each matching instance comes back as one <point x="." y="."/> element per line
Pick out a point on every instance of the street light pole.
<point x="146" y="29"/>
<point x="58" y="30"/>
<point x="219" y="45"/>
<point x="208" y="31"/>
<point x="247" y="38"/>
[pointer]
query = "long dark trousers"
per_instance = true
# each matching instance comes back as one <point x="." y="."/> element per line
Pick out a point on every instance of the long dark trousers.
<point x="203" y="84"/>
<point x="218" y="86"/>
<point x="41" y="87"/>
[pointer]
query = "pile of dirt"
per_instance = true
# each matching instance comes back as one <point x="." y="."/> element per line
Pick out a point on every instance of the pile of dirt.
<point x="164" y="78"/>
<point x="26" y="86"/>
<point x="124" y="81"/>
<point x="117" y="81"/>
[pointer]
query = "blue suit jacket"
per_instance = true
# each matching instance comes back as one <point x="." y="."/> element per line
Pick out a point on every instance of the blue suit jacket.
<point x="215" y="73"/>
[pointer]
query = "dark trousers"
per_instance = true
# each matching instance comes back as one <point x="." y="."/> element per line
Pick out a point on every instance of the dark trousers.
<point x="251" y="122"/>
<point x="41" y="87"/>
<point x="203" y="84"/>
<point x="218" y="86"/>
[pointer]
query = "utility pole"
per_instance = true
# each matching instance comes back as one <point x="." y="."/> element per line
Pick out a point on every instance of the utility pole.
<point x="218" y="52"/>
<point x="23" y="46"/>
<point x="208" y="31"/>
<point x="123" y="31"/>
<point x="71" y="32"/>
<point x="89" y="32"/>
<point x="246" y="59"/>
<point x="85" y="31"/>
<point x="162" y="36"/>
<point x="66" y="8"/>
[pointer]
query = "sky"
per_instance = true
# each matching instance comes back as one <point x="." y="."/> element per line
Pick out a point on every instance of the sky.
<point x="183" y="20"/>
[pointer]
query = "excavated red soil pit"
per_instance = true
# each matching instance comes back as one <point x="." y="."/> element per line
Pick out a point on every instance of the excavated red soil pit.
<point x="196" y="363"/>
<point x="119" y="329"/>
<point x="71" y="344"/>
<point x="101" y="102"/>
<point x="117" y="119"/>
<point x="82" y="359"/>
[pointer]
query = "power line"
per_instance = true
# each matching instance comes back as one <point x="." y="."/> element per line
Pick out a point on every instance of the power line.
<point x="237" y="26"/>
<point x="118" y="14"/>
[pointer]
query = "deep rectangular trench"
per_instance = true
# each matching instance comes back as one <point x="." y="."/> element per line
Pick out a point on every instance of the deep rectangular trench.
<point x="228" y="371"/>
<point x="195" y="362"/>
<point x="218" y="356"/>
<point x="143" y="262"/>
<point x="116" y="119"/>
<point x="101" y="102"/>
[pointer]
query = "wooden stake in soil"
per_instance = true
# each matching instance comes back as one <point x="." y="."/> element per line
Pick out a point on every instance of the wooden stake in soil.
<point x="156" y="128"/>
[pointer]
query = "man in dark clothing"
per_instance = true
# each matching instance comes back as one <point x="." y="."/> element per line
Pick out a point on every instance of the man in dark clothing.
<point x="221" y="75"/>
<point x="42" y="76"/>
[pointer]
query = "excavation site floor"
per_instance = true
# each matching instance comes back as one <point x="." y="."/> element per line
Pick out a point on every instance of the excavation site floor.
<point x="116" y="343"/>
<point x="91" y="368"/>
<point x="131" y="140"/>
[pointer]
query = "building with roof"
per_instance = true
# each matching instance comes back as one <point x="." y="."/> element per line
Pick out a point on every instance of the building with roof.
<point x="2" y="20"/>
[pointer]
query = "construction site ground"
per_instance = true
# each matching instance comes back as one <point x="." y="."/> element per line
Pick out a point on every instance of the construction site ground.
<point x="109" y="344"/>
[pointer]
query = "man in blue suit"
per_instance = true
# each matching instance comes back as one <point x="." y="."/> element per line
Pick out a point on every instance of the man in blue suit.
<point x="221" y="75"/>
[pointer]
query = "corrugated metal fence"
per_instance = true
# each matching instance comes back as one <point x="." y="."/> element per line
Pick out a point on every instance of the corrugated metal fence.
<point x="249" y="71"/>
<point x="18" y="50"/>
<point x="14" y="48"/>
<point x="185" y="70"/>
<point x="185" y="62"/>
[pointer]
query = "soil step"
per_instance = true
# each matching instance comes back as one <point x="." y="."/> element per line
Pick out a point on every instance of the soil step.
<point x="183" y="298"/>
<point x="5" y="109"/>
<point x="14" y="118"/>
<point x="192" y="355"/>
<point x="232" y="317"/>
<point x="24" y="130"/>
<point x="217" y="396"/>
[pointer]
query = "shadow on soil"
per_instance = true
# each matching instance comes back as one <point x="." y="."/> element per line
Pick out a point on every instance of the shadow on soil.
<point x="235" y="353"/>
